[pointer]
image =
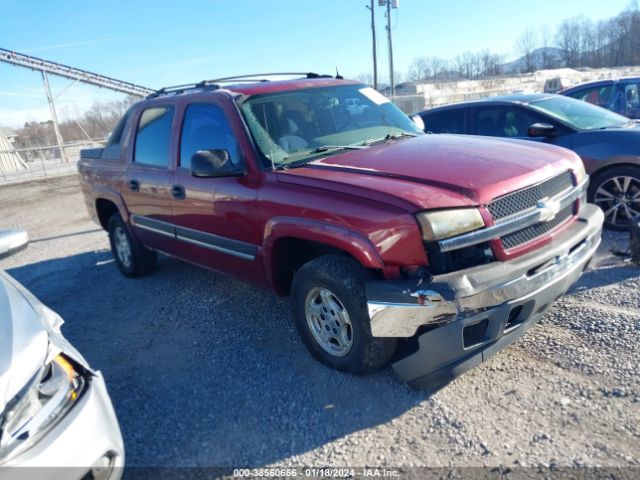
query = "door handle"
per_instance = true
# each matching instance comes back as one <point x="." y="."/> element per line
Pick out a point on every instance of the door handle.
<point x="134" y="185"/>
<point x="177" y="192"/>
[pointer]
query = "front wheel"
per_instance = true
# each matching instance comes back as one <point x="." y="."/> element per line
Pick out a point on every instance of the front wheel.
<point x="330" y="311"/>
<point x="617" y="193"/>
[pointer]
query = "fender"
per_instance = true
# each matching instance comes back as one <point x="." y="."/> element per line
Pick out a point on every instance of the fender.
<point x="105" y="193"/>
<point x="615" y="161"/>
<point x="354" y="243"/>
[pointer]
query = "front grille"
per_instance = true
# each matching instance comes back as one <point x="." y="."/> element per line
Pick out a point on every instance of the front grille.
<point x="524" y="199"/>
<point x="534" y="231"/>
<point x="527" y="198"/>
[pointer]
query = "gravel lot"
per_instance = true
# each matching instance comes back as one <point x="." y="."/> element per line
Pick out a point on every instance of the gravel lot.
<point x="205" y="370"/>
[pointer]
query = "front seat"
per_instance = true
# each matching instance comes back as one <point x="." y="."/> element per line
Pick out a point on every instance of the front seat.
<point x="509" y="129"/>
<point x="293" y="128"/>
<point x="632" y="97"/>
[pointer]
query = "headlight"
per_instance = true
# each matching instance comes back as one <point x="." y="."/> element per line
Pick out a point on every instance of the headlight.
<point x="449" y="223"/>
<point x="39" y="406"/>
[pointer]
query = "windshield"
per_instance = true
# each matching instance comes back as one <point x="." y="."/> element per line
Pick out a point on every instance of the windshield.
<point x="297" y="126"/>
<point x="579" y="115"/>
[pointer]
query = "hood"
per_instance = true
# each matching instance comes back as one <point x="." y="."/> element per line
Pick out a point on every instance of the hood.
<point x="438" y="171"/>
<point x="632" y="131"/>
<point x="24" y="340"/>
<point x="607" y="143"/>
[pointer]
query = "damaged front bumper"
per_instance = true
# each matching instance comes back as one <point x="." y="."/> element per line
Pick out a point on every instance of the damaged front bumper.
<point x="468" y="315"/>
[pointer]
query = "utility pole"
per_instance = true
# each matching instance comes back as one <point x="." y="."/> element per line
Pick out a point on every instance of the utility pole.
<point x="373" y="35"/>
<point x="54" y="115"/>
<point x="390" y="4"/>
<point x="391" y="82"/>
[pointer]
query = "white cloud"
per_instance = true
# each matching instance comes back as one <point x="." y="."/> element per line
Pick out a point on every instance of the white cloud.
<point x="70" y="44"/>
<point x="16" y="118"/>
<point x="66" y="108"/>
<point x="20" y="94"/>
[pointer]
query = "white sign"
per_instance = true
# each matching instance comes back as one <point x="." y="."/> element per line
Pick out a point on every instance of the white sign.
<point x="373" y="95"/>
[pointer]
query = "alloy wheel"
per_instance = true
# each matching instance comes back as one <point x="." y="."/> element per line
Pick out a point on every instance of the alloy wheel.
<point x="123" y="249"/>
<point x="619" y="199"/>
<point x="329" y="321"/>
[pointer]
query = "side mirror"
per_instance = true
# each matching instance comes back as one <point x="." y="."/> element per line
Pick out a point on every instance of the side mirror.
<point x="12" y="241"/>
<point x="213" y="163"/>
<point x="540" y="130"/>
<point x="417" y="119"/>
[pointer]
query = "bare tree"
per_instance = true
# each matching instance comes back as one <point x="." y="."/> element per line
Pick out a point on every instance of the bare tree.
<point x="545" y="44"/>
<point x="96" y="123"/>
<point x="365" y="78"/>
<point x="569" y="40"/>
<point x="438" y="68"/>
<point x="491" y="64"/>
<point x="418" y="69"/>
<point x="467" y="65"/>
<point x="576" y="42"/>
<point x="429" y="68"/>
<point x="526" y="46"/>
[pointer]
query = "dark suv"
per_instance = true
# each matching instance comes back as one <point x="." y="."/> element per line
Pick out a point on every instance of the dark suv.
<point x="619" y="95"/>
<point x="608" y="143"/>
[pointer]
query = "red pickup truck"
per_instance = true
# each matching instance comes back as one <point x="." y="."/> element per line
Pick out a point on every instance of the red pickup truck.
<point x="430" y="251"/>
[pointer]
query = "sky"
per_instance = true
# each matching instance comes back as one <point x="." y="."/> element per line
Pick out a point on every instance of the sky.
<point x="159" y="43"/>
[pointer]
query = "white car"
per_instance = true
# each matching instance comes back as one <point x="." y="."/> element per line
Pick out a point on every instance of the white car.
<point x="54" y="409"/>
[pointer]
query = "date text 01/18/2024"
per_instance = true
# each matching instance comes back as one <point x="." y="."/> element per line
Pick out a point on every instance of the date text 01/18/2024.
<point x="311" y="472"/>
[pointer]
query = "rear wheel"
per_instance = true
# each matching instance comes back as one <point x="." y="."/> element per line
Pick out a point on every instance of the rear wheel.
<point x="617" y="193"/>
<point x="330" y="312"/>
<point x="131" y="257"/>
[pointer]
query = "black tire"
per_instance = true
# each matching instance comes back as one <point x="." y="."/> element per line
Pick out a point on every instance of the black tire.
<point x="345" y="279"/>
<point x="616" y="220"/>
<point x="141" y="260"/>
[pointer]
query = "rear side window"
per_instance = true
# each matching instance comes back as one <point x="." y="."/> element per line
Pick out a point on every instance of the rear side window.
<point x="153" y="137"/>
<point x="602" y="95"/>
<point x="116" y="140"/>
<point x="206" y="127"/>
<point x="447" y="121"/>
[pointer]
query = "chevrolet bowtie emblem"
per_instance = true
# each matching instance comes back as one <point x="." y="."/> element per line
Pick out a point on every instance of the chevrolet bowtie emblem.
<point x="548" y="209"/>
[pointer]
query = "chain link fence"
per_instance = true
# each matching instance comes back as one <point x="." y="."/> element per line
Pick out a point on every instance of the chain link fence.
<point x="23" y="164"/>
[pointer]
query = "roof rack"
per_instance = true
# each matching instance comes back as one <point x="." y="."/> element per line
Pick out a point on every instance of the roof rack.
<point x="178" y="89"/>
<point x="256" y="76"/>
<point x="213" y="84"/>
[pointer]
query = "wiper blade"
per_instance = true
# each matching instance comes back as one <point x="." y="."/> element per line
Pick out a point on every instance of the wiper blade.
<point x="390" y="136"/>
<point x="323" y="149"/>
<point x="289" y="165"/>
<point x="330" y="148"/>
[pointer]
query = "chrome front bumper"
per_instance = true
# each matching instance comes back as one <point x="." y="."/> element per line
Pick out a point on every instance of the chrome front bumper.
<point x="87" y="439"/>
<point x="475" y="313"/>
<point x="399" y="308"/>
